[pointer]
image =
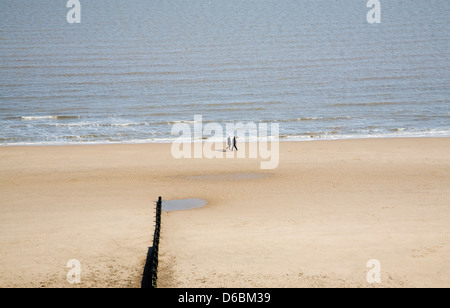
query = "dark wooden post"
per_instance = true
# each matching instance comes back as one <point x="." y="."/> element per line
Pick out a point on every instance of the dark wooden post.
<point x="156" y="243"/>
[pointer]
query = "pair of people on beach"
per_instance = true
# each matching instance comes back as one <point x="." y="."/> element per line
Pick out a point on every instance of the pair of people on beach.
<point x="234" y="146"/>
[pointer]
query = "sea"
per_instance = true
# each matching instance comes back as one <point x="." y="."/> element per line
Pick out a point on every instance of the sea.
<point x="131" y="69"/>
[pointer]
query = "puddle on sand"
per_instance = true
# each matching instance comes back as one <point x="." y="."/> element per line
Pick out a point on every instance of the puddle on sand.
<point x="182" y="204"/>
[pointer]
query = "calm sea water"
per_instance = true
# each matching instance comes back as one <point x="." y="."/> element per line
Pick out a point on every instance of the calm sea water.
<point x="132" y="68"/>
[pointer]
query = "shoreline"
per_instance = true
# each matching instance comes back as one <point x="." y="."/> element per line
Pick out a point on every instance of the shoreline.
<point x="56" y="144"/>
<point x="314" y="221"/>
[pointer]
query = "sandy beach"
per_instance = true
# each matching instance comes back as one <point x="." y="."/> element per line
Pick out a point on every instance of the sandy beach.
<point x="315" y="221"/>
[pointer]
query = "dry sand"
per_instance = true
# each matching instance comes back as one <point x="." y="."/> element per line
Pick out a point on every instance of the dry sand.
<point x="314" y="221"/>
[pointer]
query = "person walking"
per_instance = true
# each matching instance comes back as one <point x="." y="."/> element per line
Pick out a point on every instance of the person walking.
<point x="235" y="144"/>
<point x="229" y="143"/>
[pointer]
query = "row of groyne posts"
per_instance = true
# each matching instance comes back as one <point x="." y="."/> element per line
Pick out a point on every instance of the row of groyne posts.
<point x="150" y="277"/>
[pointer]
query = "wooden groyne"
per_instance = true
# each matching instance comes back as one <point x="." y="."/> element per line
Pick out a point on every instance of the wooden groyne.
<point x="150" y="276"/>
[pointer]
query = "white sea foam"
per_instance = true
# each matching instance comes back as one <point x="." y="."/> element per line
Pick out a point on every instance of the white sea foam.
<point x="47" y="117"/>
<point x="31" y="118"/>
